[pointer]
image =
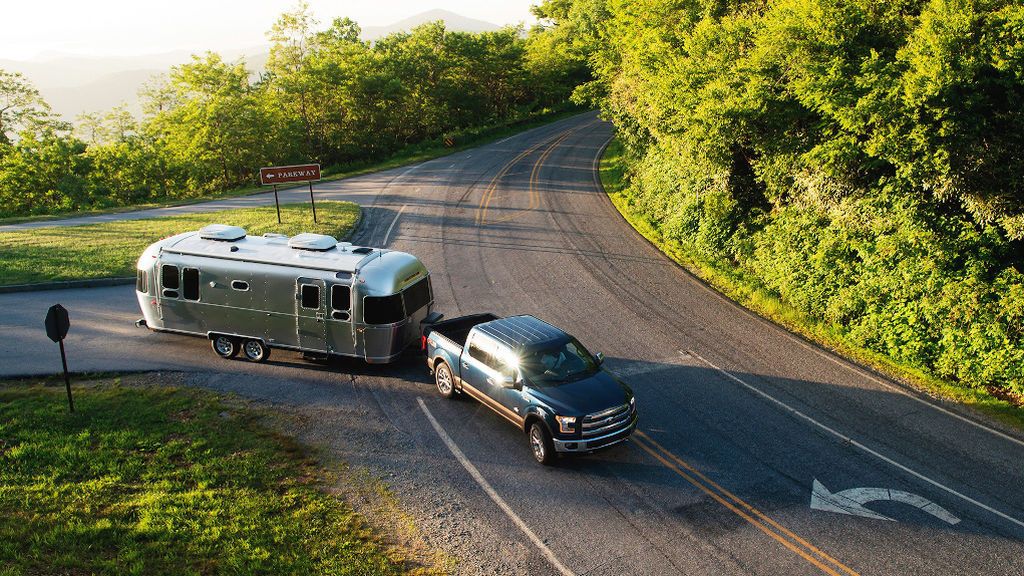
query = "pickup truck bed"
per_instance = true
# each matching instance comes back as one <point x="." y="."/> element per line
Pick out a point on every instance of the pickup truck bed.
<point x="457" y="329"/>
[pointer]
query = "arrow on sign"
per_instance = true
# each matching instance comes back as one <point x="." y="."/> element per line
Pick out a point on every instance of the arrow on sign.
<point x="851" y="501"/>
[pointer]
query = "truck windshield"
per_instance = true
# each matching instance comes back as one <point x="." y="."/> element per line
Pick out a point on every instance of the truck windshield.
<point x="564" y="363"/>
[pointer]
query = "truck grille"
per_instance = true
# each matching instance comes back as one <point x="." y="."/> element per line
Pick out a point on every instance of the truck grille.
<point x="607" y="421"/>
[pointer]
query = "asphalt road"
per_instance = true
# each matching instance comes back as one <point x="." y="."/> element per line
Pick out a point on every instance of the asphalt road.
<point x="738" y="419"/>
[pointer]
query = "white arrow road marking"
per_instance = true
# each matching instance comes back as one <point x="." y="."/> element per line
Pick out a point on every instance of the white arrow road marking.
<point x="851" y="501"/>
<point x="854" y="443"/>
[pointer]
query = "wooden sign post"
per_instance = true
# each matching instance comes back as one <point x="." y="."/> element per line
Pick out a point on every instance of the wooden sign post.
<point x="274" y="175"/>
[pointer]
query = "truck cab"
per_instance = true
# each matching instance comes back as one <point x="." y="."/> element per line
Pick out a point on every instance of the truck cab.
<point x="536" y="376"/>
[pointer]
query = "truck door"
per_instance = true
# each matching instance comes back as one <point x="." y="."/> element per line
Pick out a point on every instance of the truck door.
<point x="310" y="314"/>
<point x="482" y="371"/>
<point x="474" y="369"/>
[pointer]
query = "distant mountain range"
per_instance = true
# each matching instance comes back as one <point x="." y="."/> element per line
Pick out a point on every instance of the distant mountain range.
<point x="76" y="84"/>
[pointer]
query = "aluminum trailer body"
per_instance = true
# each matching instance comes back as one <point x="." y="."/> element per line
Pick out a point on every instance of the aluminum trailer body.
<point x="308" y="293"/>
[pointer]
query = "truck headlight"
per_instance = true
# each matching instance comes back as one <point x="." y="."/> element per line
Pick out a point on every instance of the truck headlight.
<point x="566" y="424"/>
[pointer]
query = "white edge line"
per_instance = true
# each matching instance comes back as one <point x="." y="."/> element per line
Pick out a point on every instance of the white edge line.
<point x="490" y="492"/>
<point x="861" y="372"/>
<point x="387" y="234"/>
<point x="855" y="443"/>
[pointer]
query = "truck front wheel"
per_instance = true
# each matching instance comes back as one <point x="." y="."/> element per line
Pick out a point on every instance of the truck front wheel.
<point x="540" y="444"/>
<point x="444" y="380"/>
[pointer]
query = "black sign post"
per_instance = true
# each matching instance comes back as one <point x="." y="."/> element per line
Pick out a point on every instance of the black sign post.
<point x="278" y="204"/>
<point x="312" y="202"/>
<point x="57" y="324"/>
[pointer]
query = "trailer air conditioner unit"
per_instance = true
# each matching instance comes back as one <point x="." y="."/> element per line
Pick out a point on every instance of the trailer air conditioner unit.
<point x="222" y="233"/>
<point x="314" y="242"/>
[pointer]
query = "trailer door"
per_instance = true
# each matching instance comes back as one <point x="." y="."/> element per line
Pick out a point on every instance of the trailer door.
<point x="310" y="312"/>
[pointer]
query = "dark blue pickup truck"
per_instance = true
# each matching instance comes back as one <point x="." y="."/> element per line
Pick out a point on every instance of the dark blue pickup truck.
<point x="536" y="377"/>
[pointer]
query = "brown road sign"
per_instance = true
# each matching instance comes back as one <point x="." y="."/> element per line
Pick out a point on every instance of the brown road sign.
<point x="284" y="174"/>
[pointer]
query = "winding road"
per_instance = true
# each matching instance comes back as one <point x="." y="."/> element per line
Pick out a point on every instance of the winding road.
<point x="757" y="453"/>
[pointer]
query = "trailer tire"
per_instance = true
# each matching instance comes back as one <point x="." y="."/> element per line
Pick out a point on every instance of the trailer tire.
<point x="255" y="351"/>
<point x="444" y="380"/>
<point x="225" y="346"/>
<point x="541" y="446"/>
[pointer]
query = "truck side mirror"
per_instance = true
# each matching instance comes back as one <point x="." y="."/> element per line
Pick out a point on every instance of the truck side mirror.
<point x="599" y="357"/>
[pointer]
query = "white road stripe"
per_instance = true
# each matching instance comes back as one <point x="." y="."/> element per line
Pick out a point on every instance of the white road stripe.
<point x="855" y="443"/>
<point x="494" y="495"/>
<point x="861" y="372"/>
<point x="393" y="222"/>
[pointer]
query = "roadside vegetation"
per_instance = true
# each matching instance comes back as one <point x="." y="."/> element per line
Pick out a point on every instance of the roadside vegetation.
<point x="856" y="163"/>
<point x="325" y="96"/>
<point x="111" y="249"/>
<point x="163" y="480"/>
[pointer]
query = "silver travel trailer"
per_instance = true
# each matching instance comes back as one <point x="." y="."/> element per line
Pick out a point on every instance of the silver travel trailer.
<point x="308" y="293"/>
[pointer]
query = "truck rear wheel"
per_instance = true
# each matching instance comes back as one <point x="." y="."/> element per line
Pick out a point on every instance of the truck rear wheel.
<point x="225" y="346"/>
<point x="255" y="351"/>
<point x="444" y="380"/>
<point x="541" y="446"/>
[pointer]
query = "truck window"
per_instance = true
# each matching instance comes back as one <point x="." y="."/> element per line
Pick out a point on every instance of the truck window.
<point x="480" y="350"/>
<point x="383" y="309"/>
<point x="417" y="296"/>
<point x="169" y="280"/>
<point x="190" y="283"/>
<point x="311" y="296"/>
<point x="341" y="302"/>
<point x="141" y="282"/>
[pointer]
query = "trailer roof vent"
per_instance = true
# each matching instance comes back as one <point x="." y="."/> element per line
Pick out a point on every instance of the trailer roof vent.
<point x="315" y="242"/>
<point x="362" y="250"/>
<point x="222" y="232"/>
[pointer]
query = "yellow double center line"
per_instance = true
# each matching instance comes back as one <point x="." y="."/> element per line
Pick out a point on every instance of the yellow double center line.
<point x="736" y="505"/>
<point x="488" y="196"/>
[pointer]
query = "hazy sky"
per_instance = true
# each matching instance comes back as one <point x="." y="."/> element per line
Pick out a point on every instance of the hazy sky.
<point x="133" y="27"/>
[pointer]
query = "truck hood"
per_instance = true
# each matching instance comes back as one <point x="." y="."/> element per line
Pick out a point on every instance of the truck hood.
<point x="585" y="396"/>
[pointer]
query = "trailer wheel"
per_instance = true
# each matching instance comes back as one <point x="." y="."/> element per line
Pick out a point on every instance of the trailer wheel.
<point x="444" y="380"/>
<point x="256" y="351"/>
<point x="225" y="346"/>
<point x="541" y="447"/>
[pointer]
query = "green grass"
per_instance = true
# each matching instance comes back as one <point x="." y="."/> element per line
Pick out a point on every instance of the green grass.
<point x="412" y="154"/>
<point x="110" y="249"/>
<point x="163" y="480"/>
<point x="746" y="291"/>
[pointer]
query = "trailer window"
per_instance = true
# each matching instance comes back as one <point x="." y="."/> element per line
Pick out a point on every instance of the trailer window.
<point x="169" y="280"/>
<point x="169" y="277"/>
<point x="383" y="309"/>
<point x="311" y="296"/>
<point x="417" y="296"/>
<point x="190" y="283"/>
<point x="141" y="282"/>
<point x="341" y="302"/>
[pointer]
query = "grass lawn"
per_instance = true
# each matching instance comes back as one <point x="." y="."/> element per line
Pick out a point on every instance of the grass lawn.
<point x="111" y="249"/>
<point x="412" y="154"/>
<point x="746" y="291"/>
<point x="164" y="480"/>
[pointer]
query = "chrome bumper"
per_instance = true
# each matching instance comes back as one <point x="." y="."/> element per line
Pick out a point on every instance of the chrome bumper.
<point x="581" y="445"/>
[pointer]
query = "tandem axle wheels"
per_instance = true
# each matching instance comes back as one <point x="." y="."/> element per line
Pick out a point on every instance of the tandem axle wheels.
<point x="229" y="346"/>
